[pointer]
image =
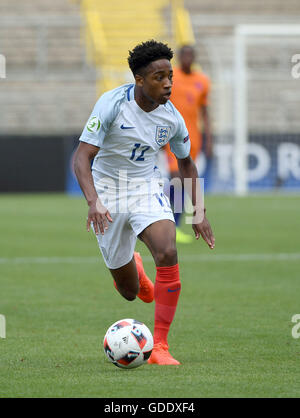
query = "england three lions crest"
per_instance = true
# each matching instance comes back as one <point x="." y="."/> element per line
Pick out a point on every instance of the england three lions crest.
<point x="162" y="135"/>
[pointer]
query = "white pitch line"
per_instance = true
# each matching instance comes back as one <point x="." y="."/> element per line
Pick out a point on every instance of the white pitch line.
<point x="195" y="258"/>
<point x="50" y="260"/>
<point x="241" y="257"/>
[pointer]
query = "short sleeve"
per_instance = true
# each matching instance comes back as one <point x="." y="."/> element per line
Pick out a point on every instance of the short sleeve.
<point x="180" y="142"/>
<point x="102" y="116"/>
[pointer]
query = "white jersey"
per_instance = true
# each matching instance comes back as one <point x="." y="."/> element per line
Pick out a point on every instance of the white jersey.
<point x="129" y="138"/>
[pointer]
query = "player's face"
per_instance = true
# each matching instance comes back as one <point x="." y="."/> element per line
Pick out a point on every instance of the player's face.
<point x="156" y="84"/>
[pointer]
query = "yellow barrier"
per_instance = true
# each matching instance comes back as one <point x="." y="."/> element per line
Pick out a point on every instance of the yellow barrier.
<point x="113" y="27"/>
<point x="183" y="31"/>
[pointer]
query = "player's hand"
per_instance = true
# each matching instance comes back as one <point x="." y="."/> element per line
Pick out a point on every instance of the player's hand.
<point x="98" y="215"/>
<point x="204" y="229"/>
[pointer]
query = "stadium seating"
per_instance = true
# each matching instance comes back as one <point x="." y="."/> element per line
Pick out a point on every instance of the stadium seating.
<point x="113" y="28"/>
<point x="269" y="64"/>
<point x="246" y="7"/>
<point x="49" y="88"/>
<point x="51" y="74"/>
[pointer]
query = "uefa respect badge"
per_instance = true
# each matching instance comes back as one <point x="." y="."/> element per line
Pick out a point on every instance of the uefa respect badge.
<point x="93" y="124"/>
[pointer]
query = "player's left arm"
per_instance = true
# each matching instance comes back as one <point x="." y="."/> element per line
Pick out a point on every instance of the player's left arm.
<point x="201" y="225"/>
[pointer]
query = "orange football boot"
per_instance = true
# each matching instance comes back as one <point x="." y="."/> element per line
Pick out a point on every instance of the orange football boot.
<point x="160" y="355"/>
<point x="146" y="293"/>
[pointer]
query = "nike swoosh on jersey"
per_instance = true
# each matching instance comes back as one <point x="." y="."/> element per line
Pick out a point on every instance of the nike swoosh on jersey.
<point x="127" y="127"/>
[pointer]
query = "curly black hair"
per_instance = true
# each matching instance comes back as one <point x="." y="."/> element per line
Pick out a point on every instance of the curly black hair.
<point x="146" y="52"/>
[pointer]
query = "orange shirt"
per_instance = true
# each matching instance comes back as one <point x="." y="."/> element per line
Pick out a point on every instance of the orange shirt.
<point x="189" y="93"/>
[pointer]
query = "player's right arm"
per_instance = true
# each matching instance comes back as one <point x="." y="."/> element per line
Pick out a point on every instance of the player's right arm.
<point x="91" y="140"/>
<point x="98" y="214"/>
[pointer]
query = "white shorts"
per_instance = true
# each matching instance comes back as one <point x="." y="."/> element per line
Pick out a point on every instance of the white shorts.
<point x="118" y="242"/>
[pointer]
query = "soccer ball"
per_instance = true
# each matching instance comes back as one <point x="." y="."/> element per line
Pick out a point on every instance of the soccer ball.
<point x="128" y="343"/>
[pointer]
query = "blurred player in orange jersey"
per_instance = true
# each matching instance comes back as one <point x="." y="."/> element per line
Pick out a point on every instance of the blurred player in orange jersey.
<point x="190" y="94"/>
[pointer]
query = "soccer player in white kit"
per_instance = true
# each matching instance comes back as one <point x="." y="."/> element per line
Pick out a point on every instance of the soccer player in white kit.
<point x="124" y="190"/>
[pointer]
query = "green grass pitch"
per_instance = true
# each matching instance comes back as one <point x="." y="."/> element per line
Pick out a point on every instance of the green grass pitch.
<point x="232" y="330"/>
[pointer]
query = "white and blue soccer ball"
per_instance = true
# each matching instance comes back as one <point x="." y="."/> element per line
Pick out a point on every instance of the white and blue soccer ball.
<point x="128" y="343"/>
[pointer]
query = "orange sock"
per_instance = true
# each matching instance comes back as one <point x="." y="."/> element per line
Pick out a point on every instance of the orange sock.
<point x="166" y="293"/>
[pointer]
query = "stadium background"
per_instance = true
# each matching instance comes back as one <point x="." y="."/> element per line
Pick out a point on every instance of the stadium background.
<point x="232" y="330"/>
<point x="61" y="55"/>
